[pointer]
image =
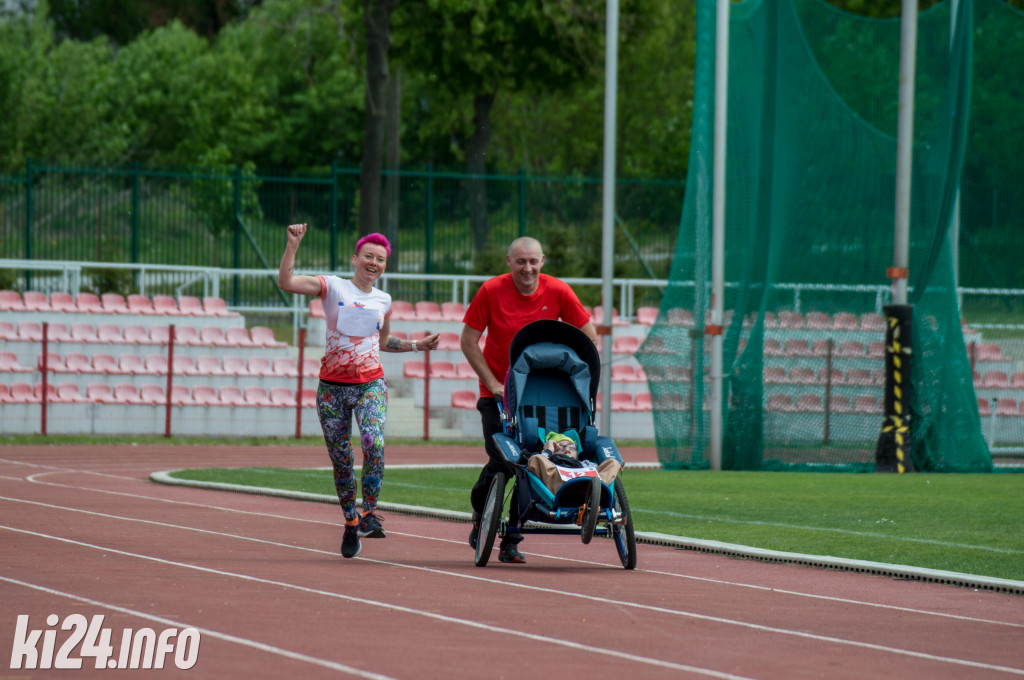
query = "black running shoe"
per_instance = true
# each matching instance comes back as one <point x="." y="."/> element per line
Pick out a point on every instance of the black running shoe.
<point x="510" y="553"/>
<point x="369" y="526"/>
<point x="475" y="531"/>
<point x="350" y="543"/>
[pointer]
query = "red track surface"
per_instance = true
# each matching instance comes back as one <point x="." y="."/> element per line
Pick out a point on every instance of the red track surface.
<point x="84" y="531"/>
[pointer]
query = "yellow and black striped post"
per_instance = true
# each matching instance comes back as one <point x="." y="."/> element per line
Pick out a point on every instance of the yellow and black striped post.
<point x="893" y="451"/>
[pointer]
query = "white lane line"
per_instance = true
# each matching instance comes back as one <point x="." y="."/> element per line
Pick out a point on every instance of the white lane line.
<point x="207" y="632"/>
<point x="546" y="591"/>
<point x="815" y="596"/>
<point x="503" y="632"/>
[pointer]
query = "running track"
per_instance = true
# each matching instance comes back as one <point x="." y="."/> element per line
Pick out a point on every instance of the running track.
<point x="83" y="530"/>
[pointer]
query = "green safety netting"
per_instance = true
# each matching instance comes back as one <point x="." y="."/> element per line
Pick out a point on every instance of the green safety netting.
<point x="810" y="214"/>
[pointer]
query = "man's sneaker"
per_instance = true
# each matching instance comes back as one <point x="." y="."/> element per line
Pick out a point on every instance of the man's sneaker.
<point x="369" y="526"/>
<point x="350" y="543"/>
<point x="475" y="531"/>
<point x="510" y="553"/>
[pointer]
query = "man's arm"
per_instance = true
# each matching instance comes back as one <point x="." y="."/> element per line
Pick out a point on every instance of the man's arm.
<point x="286" y="278"/>
<point x="469" y="341"/>
<point x="591" y="332"/>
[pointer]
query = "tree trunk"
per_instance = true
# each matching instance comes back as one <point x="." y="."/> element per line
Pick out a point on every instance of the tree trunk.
<point x="476" y="165"/>
<point x="378" y="42"/>
<point x="394" y="148"/>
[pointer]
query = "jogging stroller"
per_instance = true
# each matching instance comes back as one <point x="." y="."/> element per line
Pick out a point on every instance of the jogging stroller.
<point x="551" y="387"/>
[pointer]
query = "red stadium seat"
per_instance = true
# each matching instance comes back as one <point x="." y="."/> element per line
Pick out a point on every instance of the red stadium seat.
<point x="259" y="366"/>
<point x="623" y="373"/>
<point x="57" y="332"/>
<point x="184" y="365"/>
<point x="30" y="331"/>
<point x="135" y="334"/>
<point x="845" y="321"/>
<point x="402" y="310"/>
<point x="229" y="395"/>
<point x="311" y="368"/>
<point x="114" y="303"/>
<point x="413" y="368"/>
<point x="51" y="392"/>
<point x="131" y="363"/>
<point x="35" y="301"/>
<point x="622" y="401"/>
<point x="180" y="396"/>
<point x="809" y="403"/>
<point x="107" y="334"/>
<point x="256" y="396"/>
<point x="237" y="337"/>
<point x="100" y="393"/>
<point x="156" y="364"/>
<point x="465" y="399"/>
<point x="464" y="371"/>
<point x="105" y="363"/>
<point x="282" y="396"/>
<point x="165" y="304"/>
<point x="10" y="301"/>
<point x="642" y="401"/>
<point x="453" y="311"/>
<point x="62" y="302"/>
<point x="284" y="367"/>
<point x="9" y="364"/>
<point x="234" y="365"/>
<point x="207" y="366"/>
<point x="818" y="321"/>
<point x="153" y="395"/>
<point x="441" y="370"/>
<point x="448" y="340"/>
<point x="204" y="395"/>
<point x="126" y="394"/>
<point x="7" y="331"/>
<point x="865" y="403"/>
<point x="83" y="332"/>
<point x="89" y="303"/>
<point x="625" y="344"/>
<point x="215" y="306"/>
<point x="428" y="311"/>
<point x="264" y="337"/>
<point x="781" y="402"/>
<point x="191" y="306"/>
<point x="68" y="393"/>
<point x="54" y="362"/>
<point x="872" y="322"/>
<point x="995" y="379"/>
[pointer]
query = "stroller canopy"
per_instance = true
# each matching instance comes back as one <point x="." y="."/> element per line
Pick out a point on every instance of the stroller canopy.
<point x="548" y="345"/>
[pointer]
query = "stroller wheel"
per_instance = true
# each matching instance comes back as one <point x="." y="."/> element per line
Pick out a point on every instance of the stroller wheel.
<point x="622" y="531"/>
<point x="592" y="510"/>
<point x="490" y="519"/>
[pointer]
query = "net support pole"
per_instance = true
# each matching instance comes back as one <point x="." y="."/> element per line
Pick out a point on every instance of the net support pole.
<point x="904" y="151"/>
<point x="611" y="66"/>
<point x="718" y="230"/>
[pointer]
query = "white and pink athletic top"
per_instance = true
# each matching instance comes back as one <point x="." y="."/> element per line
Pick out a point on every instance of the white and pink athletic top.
<point x="354" y="320"/>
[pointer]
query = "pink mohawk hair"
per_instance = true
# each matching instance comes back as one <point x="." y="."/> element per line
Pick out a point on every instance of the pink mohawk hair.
<point x="376" y="239"/>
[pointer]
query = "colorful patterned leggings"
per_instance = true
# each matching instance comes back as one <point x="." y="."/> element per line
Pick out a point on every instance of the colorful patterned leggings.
<point x="336" y="404"/>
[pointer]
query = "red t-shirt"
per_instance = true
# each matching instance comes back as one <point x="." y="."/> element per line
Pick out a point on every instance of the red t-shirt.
<point x="502" y="311"/>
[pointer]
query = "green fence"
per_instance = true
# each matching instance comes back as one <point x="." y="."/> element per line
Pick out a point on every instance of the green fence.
<point x="235" y="219"/>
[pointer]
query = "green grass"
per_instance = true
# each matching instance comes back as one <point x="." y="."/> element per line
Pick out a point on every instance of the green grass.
<point x="971" y="524"/>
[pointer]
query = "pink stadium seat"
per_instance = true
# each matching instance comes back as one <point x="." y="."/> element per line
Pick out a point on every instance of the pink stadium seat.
<point x="623" y="373"/>
<point x="858" y="376"/>
<point x="76" y="362"/>
<point x="840" y="403"/>
<point x="282" y="396"/>
<point x="876" y="349"/>
<point x="212" y="335"/>
<point x="1017" y="379"/>
<point x="316" y="309"/>
<point x="622" y="401"/>
<point x="402" y="310"/>
<point x="642" y="401"/>
<point x="54" y="362"/>
<point x="10" y="301"/>
<point x="836" y="376"/>
<point x="62" y="302"/>
<point x="428" y="311"/>
<point x="68" y="393"/>
<point x="453" y="311"/>
<point x="989" y="351"/>
<point x="865" y="403"/>
<point x="30" y="331"/>
<point x="441" y="370"/>
<point x="256" y="396"/>
<point x="680" y="317"/>
<point x="114" y="303"/>
<point x="89" y="303"/>
<point x="464" y="399"/>
<point x="447" y="340"/>
<point x="413" y="368"/>
<point x="310" y="368"/>
<point x="772" y="348"/>
<point x="464" y="371"/>
<point x="259" y="366"/>
<point x="597" y="316"/>
<point x="105" y="363"/>
<point x="796" y="347"/>
<point x="107" y="334"/>
<point x="801" y="375"/>
<point x="100" y="393"/>
<point x="774" y="374"/>
<point x="35" y="301"/>
<point x="850" y="348"/>
<point x="237" y="337"/>
<point x="625" y="344"/>
<point x="790" y="319"/>
<point x="135" y="334"/>
<point x="189" y="305"/>
<point x="83" y="332"/>
<point x="180" y="396"/>
<point x="229" y="395"/>
<point x="131" y="363"/>
<point x="161" y="335"/>
<point x="22" y="393"/>
<point x="153" y="395"/>
<point x="139" y="304"/>
<point x="156" y="364"/>
<point x="216" y="306"/>
<point x="845" y="321"/>
<point x="308" y="397"/>
<point x="1006" y="406"/>
<point x="821" y="348"/>
<point x="809" y="403"/>
<point x="400" y="335"/>
<point x="186" y="335"/>
<point x="984" y="407"/>
<point x="126" y="394"/>
<point x="51" y="392"/>
<point x="418" y="335"/>
<point x="204" y="395"/>
<point x="207" y="366"/>
<point x="646" y="315"/>
<point x="264" y="337"/>
<point x="166" y="305"/>
<point x="284" y="367"/>
<point x="9" y="364"/>
<point x="7" y="331"/>
<point x="57" y="332"/>
<point x="781" y="402"/>
<point x="872" y="322"/>
<point x="995" y="379"/>
<point x="234" y="366"/>
<point x="818" y="321"/>
<point x="5" y="393"/>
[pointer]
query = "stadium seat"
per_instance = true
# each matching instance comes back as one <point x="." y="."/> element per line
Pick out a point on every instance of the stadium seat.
<point x="796" y="347"/>
<point x="62" y="302"/>
<point x="180" y="396"/>
<point x="99" y="393"/>
<point x="413" y="368"/>
<point x="646" y="315"/>
<point x="68" y="393"/>
<point x="282" y="396"/>
<point x="442" y="370"/>
<point x="774" y="375"/>
<point x="114" y="303"/>
<point x="772" y="348"/>
<point x="1006" y="406"/>
<point x="818" y="321"/>
<point x="447" y="340"/>
<point x="995" y="379"/>
<point x="840" y="403"/>
<point x="984" y="407"/>
<point x="256" y="396"/>
<point x="35" y="301"/>
<point x="22" y="393"/>
<point x="54" y="362"/>
<point x="308" y="397"/>
<point x="215" y="306"/>
<point x="10" y="301"/>
<point x="316" y="309"/>
<point x="229" y="395"/>
<point x="858" y="376"/>
<point x="30" y="331"/>
<point x="597" y="316"/>
<point x="107" y="334"/>
<point x="204" y="395"/>
<point x="259" y="366"/>
<point x="625" y="344"/>
<point x="623" y="373"/>
<point x="284" y="367"/>
<point x="453" y="311"/>
<point x="207" y="366"/>
<point x="1017" y="379"/>
<point x="89" y="303"/>
<point x="189" y="305"/>
<point x="131" y="363"/>
<point x="835" y="377"/>
<point x="153" y="395"/>
<point x="876" y="349"/>
<point x="402" y="310"/>
<point x="872" y="322"/>
<point x="57" y="332"/>
<point x="400" y="335"/>
<point x="680" y="317"/>
<point x="126" y="394"/>
<point x="212" y="336"/>
<point x="865" y="403"/>
<point x="37" y="393"/>
<point x="161" y="335"/>
<point x="850" y="349"/>
<point x="165" y="305"/>
<point x="464" y="371"/>
<point x="184" y="365"/>
<point x="238" y="337"/>
<point x="781" y="402"/>
<point x="622" y="401"/>
<point x="427" y="310"/>
<point x="989" y="351"/>
<point x="311" y="368"/>
<point x="642" y="401"/>
<point x="7" y="331"/>
<point x="790" y="320"/>
<point x="83" y="332"/>
<point x="264" y="337"/>
<point x="9" y="364"/>
<point x="845" y="321"/>
<point x="135" y="334"/>
<point x="801" y="375"/>
<point x="105" y="363"/>
<point x="464" y="399"/>
<point x="155" y="364"/>
<point x="234" y="365"/>
<point x="186" y="335"/>
<point x="809" y="403"/>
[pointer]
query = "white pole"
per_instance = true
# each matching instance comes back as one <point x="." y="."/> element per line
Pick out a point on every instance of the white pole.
<point x="611" y="62"/>
<point x="718" y="229"/>
<point x="904" y="151"/>
<point x="954" y="231"/>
